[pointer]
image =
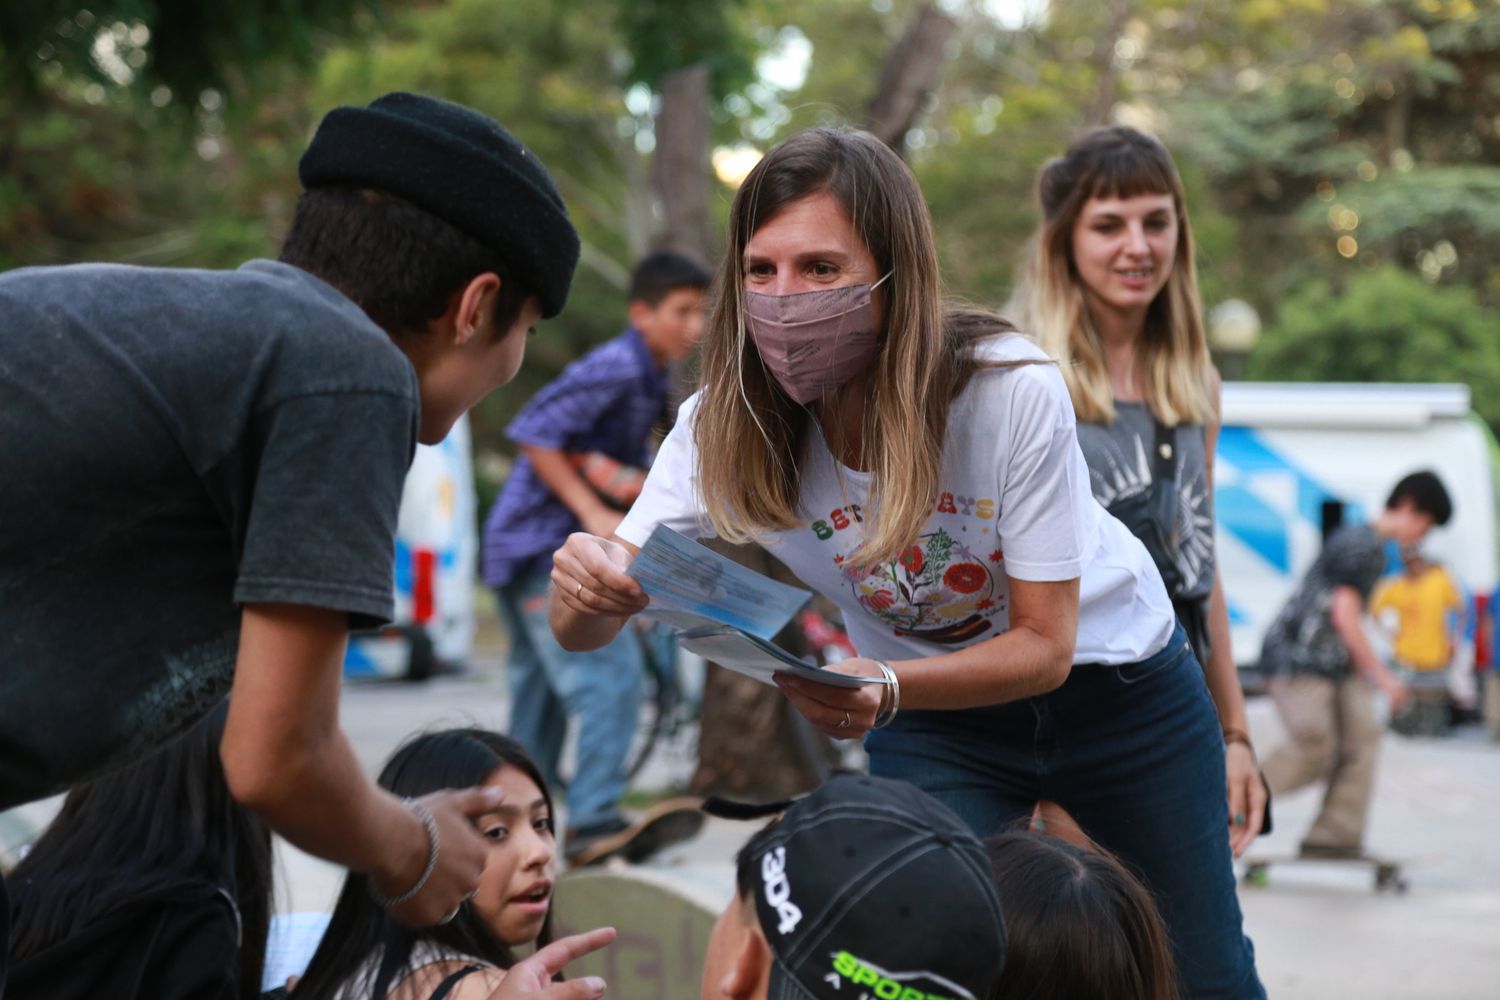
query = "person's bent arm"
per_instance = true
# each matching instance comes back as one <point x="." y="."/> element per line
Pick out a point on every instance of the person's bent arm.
<point x="286" y="758"/>
<point x="557" y="473"/>
<point x="1035" y="656"/>
<point x="592" y="596"/>
<point x="1347" y="615"/>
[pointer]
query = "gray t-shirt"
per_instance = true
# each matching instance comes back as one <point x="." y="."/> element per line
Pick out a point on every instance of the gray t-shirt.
<point x="175" y="444"/>
<point x="1120" y="467"/>
<point x="1302" y="639"/>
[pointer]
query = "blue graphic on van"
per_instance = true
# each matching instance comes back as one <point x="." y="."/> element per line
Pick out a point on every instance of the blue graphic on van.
<point x="1249" y="517"/>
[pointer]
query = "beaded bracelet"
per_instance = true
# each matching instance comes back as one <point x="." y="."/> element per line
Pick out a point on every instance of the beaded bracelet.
<point x="430" y="825"/>
<point x="888" y="707"/>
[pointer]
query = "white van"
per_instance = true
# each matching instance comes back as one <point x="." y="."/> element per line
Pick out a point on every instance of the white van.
<point x="437" y="550"/>
<point x="1296" y="458"/>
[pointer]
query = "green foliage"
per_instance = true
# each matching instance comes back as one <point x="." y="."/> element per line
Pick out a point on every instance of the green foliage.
<point x="1385" y="325"/>
<point x="1440" y="220"/>
<point x="185" y="45"/>
<point x="668" y="35"/>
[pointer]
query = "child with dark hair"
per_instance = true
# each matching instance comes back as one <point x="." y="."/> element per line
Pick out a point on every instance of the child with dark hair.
<point x="203" y="471"/>
<point x="1077" y="924"/>
<point x="365" y="954"/>
<point x="1319" y="666"/>
<point x="584" y="442"/>
<point x="151" y="882"/>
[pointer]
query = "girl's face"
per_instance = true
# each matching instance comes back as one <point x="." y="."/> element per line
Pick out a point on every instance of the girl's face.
<point x="809" y="244"/>
<point x="1124" y="249"/>
<point x="515" y="891"/>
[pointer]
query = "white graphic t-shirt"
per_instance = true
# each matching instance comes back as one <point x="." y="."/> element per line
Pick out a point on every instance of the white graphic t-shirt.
<point x="1014" y="502"/>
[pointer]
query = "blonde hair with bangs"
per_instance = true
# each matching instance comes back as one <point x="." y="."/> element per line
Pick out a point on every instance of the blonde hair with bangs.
<point x="752" y="438"/>
<point x="1115" y="162"/>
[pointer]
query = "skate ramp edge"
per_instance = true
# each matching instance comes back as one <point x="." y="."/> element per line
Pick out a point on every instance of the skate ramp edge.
<point x="664" y="917"/>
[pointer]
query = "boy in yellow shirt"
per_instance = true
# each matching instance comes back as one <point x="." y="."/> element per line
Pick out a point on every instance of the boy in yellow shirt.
<point x="1428" y="611"/>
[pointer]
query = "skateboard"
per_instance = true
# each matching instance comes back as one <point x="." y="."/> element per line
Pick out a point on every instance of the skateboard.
<point x="661" y="826"/>
<point x="1386" y="872"/>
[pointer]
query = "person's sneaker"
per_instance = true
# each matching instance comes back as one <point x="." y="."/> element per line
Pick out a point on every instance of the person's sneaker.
<point x="661" y="826"/>
<point x="1330" y="852"/>
<point x="580" y="840"/>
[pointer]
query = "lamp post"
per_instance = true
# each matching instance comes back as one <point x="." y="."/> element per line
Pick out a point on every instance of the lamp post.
<point x="1233" y="329"/>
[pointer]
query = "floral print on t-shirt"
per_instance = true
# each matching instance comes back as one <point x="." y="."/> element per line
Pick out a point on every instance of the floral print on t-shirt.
<point x="947" y="588"/>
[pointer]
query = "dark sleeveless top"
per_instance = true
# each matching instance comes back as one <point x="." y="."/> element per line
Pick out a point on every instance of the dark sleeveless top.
<point x="1120" y="466"/>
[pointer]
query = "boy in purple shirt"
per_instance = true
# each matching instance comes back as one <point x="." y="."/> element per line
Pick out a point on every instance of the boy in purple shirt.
<point x="605" y="403"/>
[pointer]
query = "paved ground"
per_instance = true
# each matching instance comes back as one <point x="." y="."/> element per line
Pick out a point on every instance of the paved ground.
<point x="1319" y="932"/>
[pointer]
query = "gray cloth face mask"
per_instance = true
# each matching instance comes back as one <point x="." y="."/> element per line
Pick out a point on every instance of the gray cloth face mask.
<point x="814" y="342"/>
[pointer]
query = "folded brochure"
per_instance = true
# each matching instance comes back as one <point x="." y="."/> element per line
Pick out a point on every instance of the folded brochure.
<point x="723" y="611"/>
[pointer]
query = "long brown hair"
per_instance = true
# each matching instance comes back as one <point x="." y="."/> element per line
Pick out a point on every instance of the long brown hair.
<point x="751" y="436"/>
<point x="1115" y="162"/>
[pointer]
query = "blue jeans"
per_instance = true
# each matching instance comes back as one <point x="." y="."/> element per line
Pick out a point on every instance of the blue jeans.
<point x="1135" y="754"/>
<point x="548" y="685"/>
<point x="4" y="934"/>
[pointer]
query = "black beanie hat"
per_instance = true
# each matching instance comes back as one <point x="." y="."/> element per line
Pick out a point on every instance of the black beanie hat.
<point x="460" y="166"/>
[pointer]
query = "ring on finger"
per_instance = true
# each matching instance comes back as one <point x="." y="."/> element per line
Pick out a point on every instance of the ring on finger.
<point x="847" y="720"/>
<point x="578" y="594"/>
<point x="448" y="917"/>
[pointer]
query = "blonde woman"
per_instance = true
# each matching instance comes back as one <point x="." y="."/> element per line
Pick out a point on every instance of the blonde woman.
<point x="918" y="466"/>
<point x="1111" y="291"/>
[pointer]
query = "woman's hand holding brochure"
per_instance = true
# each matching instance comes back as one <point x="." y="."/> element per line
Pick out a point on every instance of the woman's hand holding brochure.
<point x="728" y="614"/>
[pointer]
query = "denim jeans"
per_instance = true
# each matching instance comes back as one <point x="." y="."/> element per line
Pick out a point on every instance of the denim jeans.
<point x="548" y="685"/>
<point x="4" y="934"/>
<point x="1135" y="754"/>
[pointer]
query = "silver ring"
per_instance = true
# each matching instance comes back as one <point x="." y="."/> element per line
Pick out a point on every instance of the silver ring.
<point x="470" y="895"/>
<point x="847" y="720"/>
<point x="448" y="918"/>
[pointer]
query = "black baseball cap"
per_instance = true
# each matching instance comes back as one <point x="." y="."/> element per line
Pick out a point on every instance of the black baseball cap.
<point x="868" y="887"/>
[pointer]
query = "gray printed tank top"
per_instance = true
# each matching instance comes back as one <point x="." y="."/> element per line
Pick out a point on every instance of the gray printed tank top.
<point x="1119" y="460"/>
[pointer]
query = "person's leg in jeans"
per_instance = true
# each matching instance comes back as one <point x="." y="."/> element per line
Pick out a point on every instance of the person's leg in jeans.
<point x="601" y="690"/>
<point x="1137" y="758"/>
<point x="1307" y="709"/>
<point x="4" y="933"/>
<point x="1341" y="822"/>
<point x="537" y="719"/>
<point x="977" y="763"/>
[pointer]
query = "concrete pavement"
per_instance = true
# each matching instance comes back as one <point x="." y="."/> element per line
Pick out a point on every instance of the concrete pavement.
<point x="1320" y="932"/>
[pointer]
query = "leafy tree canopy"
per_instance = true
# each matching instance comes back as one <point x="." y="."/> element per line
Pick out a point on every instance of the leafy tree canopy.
<point x="1385" y="325"/>
<point x="184" y="45"/>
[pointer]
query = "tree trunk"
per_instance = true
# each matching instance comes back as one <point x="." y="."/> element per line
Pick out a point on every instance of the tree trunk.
<point x="751" y="743"/>
<point x="1105" y="92"/>
<point x="680" y="171"/>
<point x="911" y="71"/>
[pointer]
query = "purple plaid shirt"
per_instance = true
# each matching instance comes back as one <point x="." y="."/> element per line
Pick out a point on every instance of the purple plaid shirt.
<point x="605" y="401"/>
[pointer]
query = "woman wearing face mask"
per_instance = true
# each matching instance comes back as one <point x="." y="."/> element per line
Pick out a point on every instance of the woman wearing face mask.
<point x="1110" y="290"/>
<point x="364" y="955"/>
<point x="917" y="464"/>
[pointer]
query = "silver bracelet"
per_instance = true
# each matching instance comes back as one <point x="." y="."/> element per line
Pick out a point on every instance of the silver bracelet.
<point x="425" y="815"/>
<point x="893" y="684"/>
